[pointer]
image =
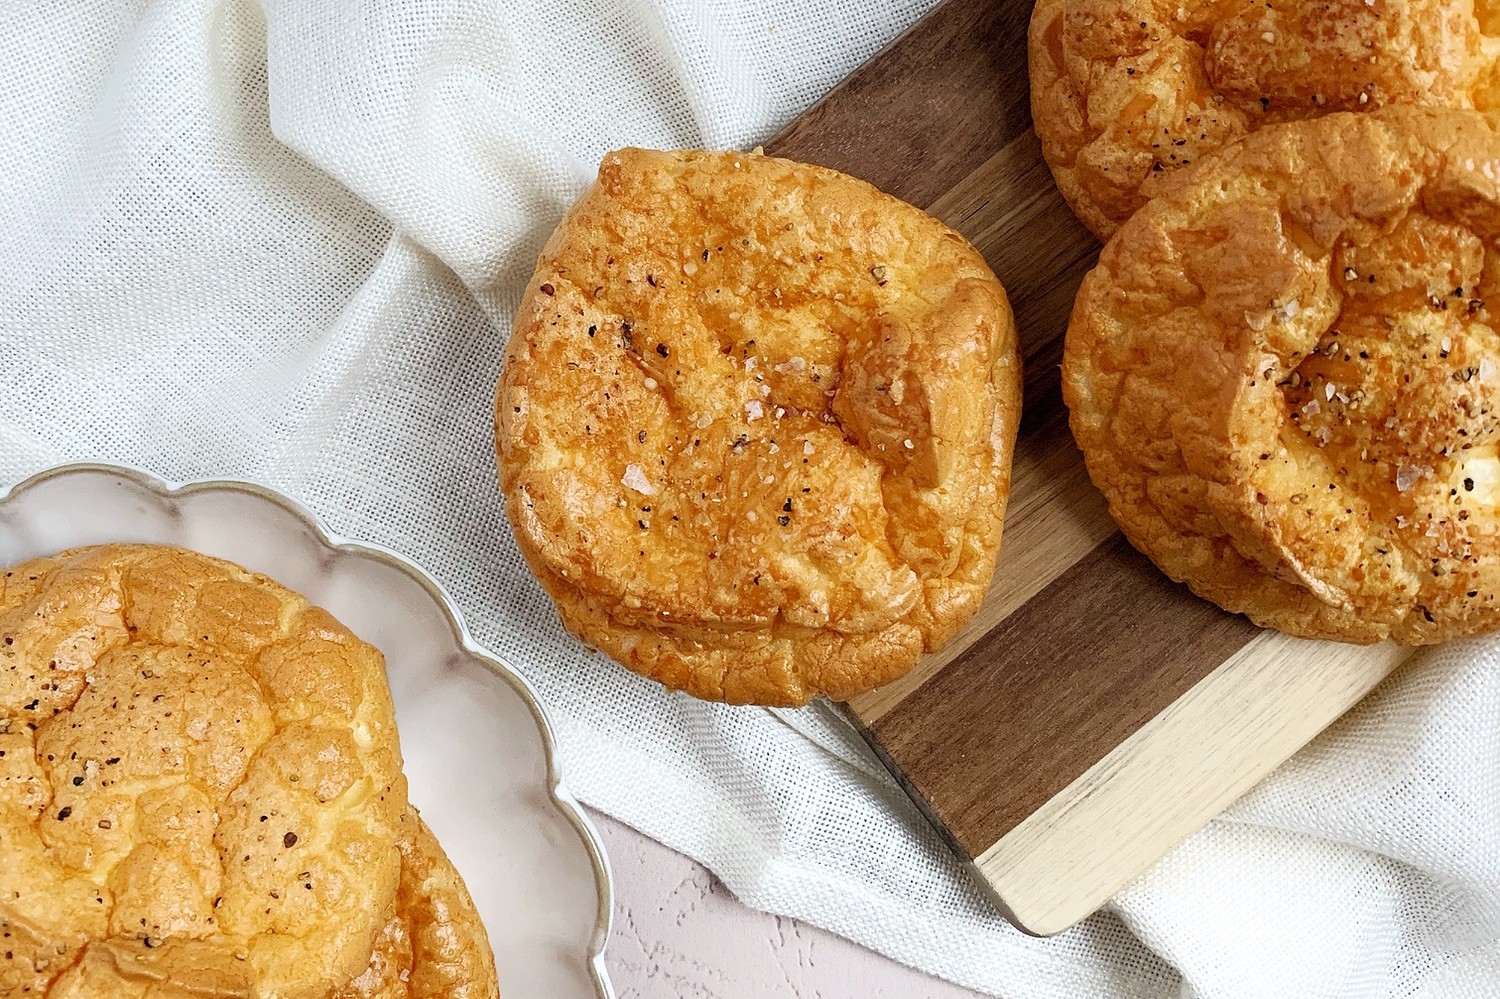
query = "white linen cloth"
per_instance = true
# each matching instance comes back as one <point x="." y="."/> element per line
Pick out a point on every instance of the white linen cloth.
<point x="283" y="244"/>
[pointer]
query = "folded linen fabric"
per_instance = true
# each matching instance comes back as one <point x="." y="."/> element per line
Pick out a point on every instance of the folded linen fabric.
<point x="284" y="242"/>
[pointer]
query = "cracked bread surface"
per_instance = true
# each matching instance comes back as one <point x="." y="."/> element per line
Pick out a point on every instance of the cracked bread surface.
<point x="1283" y="376"/>
<point x="1127" y="92"/>
<point x="755" y="425"/>
<point x="200" y="783"/>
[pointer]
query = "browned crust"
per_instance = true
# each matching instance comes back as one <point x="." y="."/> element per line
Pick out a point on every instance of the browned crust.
<point x="1282" y="376"/>
<point x="434" y="946"/>
<point x="201" y="791"/>
<point x="1127" y="92"/>
<point x="817" y="388"/>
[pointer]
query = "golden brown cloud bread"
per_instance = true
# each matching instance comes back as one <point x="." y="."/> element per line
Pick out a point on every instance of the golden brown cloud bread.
<point x="434" y="945"/>
<point x="199" y="775"/>
<point x="755" y="425"/>
<point x="1284" y="376"/>
<point x="1125" y="92"/>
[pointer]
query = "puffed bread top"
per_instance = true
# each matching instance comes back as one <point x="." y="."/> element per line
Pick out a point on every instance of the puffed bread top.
<point x="433" y="946"/>
<point x="200" y="781"/>
<point x="755" y="425"/>
<point x="1126" y="92"/>
<point x="1284" y="375"/>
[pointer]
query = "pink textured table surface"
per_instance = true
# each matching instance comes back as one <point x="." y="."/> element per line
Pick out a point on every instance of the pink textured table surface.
<point x="680" y="934"/>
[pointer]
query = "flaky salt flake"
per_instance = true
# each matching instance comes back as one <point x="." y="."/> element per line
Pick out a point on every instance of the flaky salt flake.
<point x="807" y="447"/>
<point x="1486" y="369"/>
<point x="1328" y="391"/>
<point x="793" y="365"/>
<point x="753" y="410"/>
<point x="636" y="479"/>
<point x="1406" y="477"/>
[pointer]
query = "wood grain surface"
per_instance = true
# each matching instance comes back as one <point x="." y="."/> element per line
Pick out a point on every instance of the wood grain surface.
<point x="1048" y="713"/>
<point x="1042" y="740"/>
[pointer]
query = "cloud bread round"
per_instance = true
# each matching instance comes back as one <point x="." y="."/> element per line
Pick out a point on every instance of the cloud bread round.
<point x="1283" y="376"/>
<point x="200" y="781"/>
<point x="1125" y="92"/>
<point x="755" y="425"/>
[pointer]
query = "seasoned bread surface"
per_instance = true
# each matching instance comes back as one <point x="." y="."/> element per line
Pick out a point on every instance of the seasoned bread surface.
<point x="1127" y="92"/>
<point x="755" y="425"/>
<point x="200" y="784"/>
<point x="1283" y="376"/>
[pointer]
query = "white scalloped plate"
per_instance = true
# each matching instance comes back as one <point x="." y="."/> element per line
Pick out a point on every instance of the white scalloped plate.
<point x="479" y="751"/>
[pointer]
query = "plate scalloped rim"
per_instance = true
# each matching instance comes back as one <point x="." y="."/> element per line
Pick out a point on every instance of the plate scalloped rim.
<point x="562" y="799"/>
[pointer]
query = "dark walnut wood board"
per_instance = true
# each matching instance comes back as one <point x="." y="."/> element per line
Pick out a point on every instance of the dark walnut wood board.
<point x="1094" y="713"/>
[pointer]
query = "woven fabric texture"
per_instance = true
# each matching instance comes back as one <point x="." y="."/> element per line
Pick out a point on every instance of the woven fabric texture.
<point x="282" y="242"/>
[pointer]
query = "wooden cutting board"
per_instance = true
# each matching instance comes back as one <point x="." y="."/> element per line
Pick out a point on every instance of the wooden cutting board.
<point x="1094" y="713"/>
